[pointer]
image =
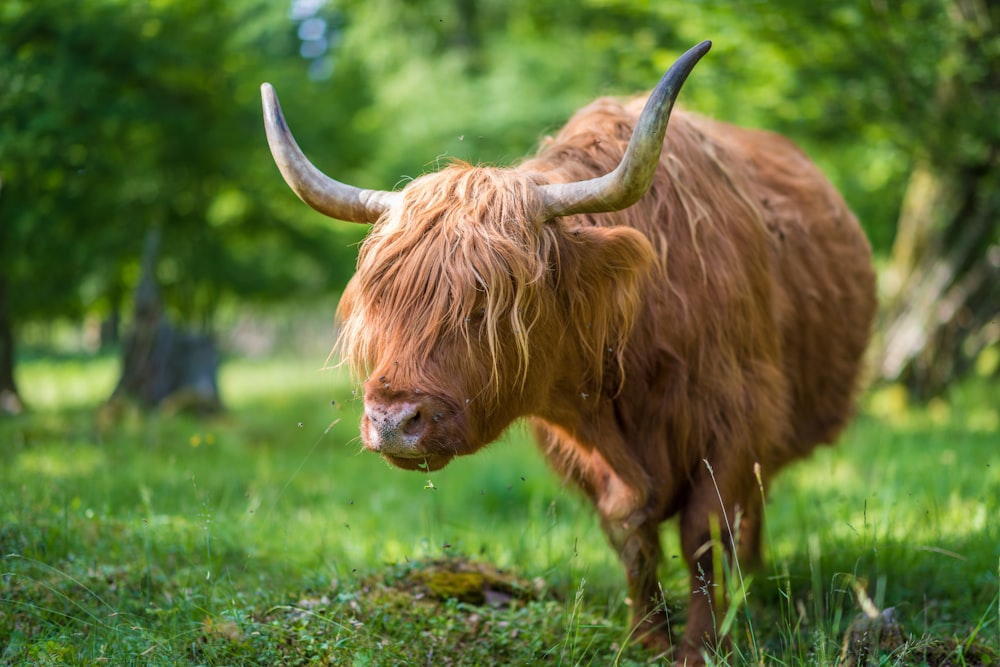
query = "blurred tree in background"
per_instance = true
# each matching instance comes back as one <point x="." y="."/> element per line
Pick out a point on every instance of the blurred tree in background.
<point x="906" y="92"/>
<point x="121" y="116"/>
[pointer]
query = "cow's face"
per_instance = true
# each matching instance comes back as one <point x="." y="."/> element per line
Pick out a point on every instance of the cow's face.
<point x="476" y="300"/>
<point x="468" y="307"/>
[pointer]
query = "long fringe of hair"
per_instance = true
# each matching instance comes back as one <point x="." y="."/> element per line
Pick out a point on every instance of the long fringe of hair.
<point x="467" y="247"/>
<point x="465" y="253"/>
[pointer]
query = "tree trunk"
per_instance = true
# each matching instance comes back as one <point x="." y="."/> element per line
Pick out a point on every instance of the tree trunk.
<point x="111" y="325"/>
<point x="10" y="399"/>
<point x="942" y="290"/>
<point x="944" y="280"/>
<point x="163" y="367"/>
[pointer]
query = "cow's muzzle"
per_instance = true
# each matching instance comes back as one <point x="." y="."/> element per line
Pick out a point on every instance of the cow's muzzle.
<point x="395" y="429"/>
<point x="412" y="431"/>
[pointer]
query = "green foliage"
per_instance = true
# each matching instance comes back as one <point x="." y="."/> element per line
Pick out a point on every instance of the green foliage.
<point x="265" y="537"/>
<point x="118" y="116"/>
<point x="853" y="82"/>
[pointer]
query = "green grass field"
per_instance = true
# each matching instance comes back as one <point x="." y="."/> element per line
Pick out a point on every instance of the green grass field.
<point x="265" y="537"/>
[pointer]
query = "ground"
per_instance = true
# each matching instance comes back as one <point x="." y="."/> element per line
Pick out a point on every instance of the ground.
<point x="265" y="536"/>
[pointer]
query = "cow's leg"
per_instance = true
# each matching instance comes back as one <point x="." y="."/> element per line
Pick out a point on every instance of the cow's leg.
<point x="639" y="549"/>
<point x="630" y="520"/>
<point x="740" y="504"/>
<point x="633" y="528"/>
<point x="749" y="535"/>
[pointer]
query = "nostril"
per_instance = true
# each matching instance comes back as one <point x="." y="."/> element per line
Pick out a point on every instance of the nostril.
<point x="413" y="425"/>
<point x="400" y="425"/>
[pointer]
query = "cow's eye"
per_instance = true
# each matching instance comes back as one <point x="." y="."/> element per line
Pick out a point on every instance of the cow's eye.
<point x="475" y="315"/>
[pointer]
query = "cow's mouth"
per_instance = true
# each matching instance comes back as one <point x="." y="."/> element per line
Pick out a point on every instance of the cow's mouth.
<point x="425" y="463"/>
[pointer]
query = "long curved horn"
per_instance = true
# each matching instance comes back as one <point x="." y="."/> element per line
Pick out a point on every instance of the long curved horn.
<point x="326" y="195"/>
<point x="634" y="174"/>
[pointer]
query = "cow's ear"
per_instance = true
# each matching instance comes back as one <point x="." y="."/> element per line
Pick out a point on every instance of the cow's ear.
<point x="602" y="288"/>
<point x="612" y="257"/>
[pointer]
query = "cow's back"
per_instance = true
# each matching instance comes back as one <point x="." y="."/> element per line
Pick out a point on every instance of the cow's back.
<point x="823" y="282"/>
<point x="760" y="312"/>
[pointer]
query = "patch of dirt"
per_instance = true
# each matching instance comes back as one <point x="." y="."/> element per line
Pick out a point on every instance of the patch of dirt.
<point x="468" y="581"/>
<point x="441" y="612"/>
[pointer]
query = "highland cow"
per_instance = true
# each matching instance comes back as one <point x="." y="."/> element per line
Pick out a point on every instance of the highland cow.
<point x="678" y="314"/>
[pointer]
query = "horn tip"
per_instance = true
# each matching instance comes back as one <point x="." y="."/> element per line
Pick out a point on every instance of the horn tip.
<point x="699" y="50"/>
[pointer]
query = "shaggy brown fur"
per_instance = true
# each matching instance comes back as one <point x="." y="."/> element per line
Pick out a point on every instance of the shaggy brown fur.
<point x="660" y="352"/>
